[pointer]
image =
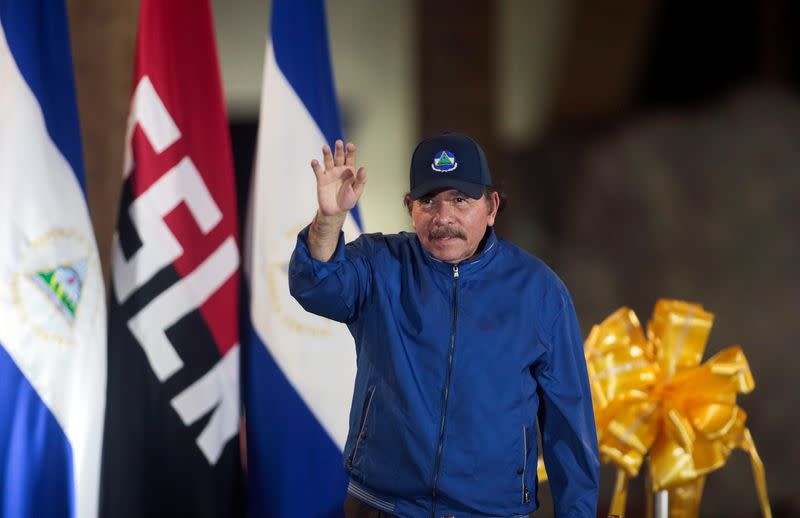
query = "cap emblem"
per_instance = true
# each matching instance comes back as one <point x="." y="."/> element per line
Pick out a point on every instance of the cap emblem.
<point x="444" y="162"/>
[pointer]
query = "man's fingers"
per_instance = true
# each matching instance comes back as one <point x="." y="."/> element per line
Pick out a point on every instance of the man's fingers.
<point x="350" y="155"/>
<point x="338" y="154"/>
<point x="361" y="175"/>
<point x="318" y="170"/>
<point x="327" y="157"/>
<point x="360" y="181"/>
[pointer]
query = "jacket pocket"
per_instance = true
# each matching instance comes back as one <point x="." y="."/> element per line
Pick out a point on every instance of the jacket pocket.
<point x="525" y="494"/>
<point x="362" y="427"/>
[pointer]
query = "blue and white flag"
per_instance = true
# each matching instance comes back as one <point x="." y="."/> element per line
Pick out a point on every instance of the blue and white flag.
<point x="52" y="302"/>
<point x="298" y="368"/>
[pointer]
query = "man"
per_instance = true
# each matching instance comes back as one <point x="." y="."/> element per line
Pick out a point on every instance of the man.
<point x="462" y="341"/>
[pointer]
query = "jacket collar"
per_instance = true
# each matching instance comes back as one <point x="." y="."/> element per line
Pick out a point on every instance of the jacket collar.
<point x="474" y="263"/>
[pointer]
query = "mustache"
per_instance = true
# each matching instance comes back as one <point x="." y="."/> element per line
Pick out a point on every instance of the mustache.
<point x="445" y="232"/>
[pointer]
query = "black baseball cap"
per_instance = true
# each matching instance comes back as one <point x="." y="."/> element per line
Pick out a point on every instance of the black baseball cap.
<point x="449" y="161"/>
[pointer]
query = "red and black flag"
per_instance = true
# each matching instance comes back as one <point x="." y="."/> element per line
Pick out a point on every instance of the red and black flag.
<point x="171" y="444"/>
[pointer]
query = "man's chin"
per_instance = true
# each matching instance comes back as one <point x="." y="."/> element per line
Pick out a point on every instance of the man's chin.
<point x="447" y="250"/>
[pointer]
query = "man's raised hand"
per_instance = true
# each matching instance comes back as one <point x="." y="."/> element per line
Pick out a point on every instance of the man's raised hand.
<point x="339" y="185"/>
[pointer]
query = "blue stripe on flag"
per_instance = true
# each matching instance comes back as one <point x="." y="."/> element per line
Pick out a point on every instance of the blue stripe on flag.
<point x="35" y="456"/>
<point x="290" y="441"/>
<point x="38" y="37"/>
<point x="305" y="62"/>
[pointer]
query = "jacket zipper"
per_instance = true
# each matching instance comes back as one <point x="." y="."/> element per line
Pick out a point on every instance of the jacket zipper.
<point x="361" y="434"/>
<point x="526" y="497"/>
<point x="446" y="388"/>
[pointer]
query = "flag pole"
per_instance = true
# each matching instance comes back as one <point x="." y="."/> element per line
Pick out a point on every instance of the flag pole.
<point x="661" y="504"/>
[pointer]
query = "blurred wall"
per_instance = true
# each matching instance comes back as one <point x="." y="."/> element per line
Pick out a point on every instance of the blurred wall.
<point x="530" y="38"/>
<point x="374" y="65"/>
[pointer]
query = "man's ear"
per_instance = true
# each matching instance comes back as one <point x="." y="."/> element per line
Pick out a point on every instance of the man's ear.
<point x="493" y="201"/>
<point x="407" y="201"/>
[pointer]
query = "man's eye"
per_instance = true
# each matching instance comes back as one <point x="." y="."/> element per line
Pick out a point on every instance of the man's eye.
<point x="459" y="199"/>
<point x="426" y="201"/>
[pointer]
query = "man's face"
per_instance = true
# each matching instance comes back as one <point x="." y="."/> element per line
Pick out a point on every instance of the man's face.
<point x="450" y="224"/>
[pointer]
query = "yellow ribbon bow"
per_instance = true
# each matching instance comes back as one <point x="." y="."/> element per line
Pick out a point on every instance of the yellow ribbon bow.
<point x="652" y="397"/>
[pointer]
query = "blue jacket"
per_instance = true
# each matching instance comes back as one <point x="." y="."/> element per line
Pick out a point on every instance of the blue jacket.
<point x="454" y="365"/>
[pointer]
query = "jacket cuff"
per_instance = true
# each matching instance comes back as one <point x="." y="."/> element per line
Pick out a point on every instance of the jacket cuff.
<point x="314" y="267"/>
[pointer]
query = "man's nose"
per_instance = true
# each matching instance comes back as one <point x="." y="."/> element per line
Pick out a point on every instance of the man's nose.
<point x="443" y="214"/>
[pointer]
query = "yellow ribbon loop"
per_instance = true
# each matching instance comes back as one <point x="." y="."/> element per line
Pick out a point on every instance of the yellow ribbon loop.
<point x="653" y="398"/>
